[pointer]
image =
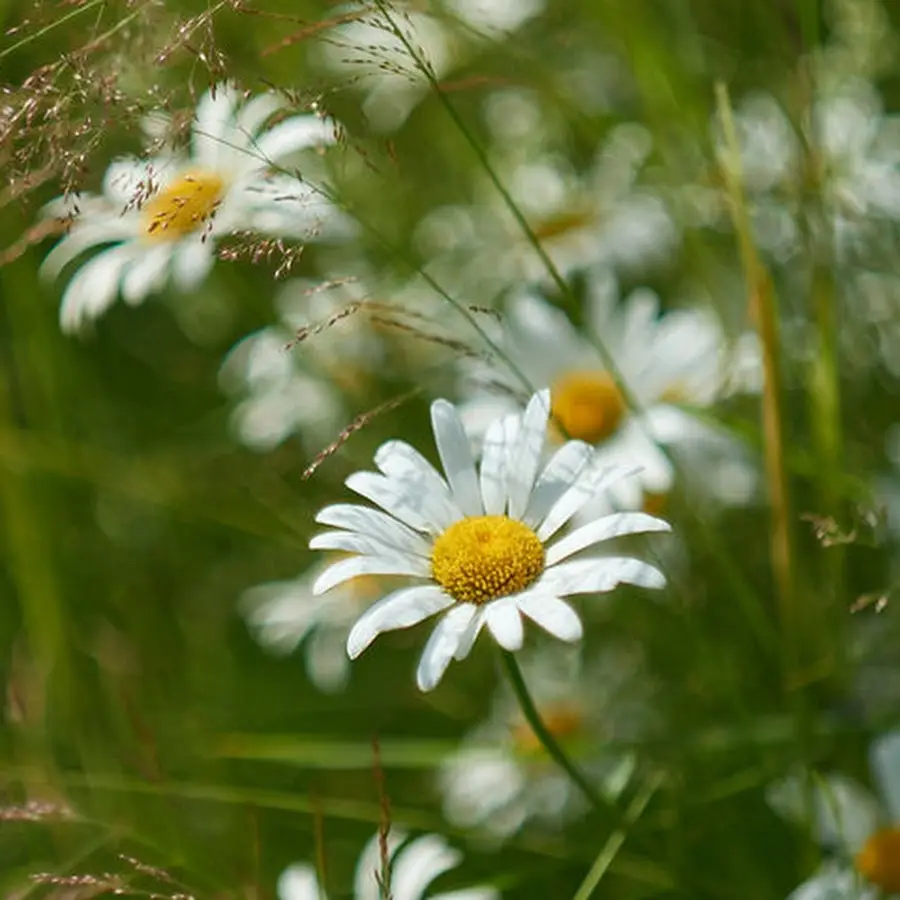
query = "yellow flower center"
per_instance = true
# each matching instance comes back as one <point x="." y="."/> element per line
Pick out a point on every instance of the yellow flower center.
<point x="655" y="503"/>
<point x="586" y="405"/>
<point x="879" y="860"/>
<point x="484" y="557"/>
<point x="183" y="207"/>
<point x="563" y="223"/>
<point x="563" y="720"/>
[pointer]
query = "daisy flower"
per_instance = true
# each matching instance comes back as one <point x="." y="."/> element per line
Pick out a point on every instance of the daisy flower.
<point x="284" y="614"/>
<point x="414" y="865"/>
<point x="284" y="387"/>
<point x="668" y="362"/>
<point x="159" y="218"/>
<point x="861" y="829"/>
<point x="501" y="778"/>
<point x="483" y="544"/>
<point x="602" y="217"/>
<point x="843" y="150"/>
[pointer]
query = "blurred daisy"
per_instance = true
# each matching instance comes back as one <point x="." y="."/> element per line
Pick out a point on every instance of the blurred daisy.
<point x="860" y="829"/>
<point x="284" y="614"/>
<point x="669" y="363"/>
<point x="482" y="543"/>
<point x="285" y="386"/>
<point x="502" y="778"/>
<point x="604" y="217"/>
<point x="844" y="151"/>
<point x="366" y="47"/>
<point x="163" y="215"/>
<point x="414" y="865"/>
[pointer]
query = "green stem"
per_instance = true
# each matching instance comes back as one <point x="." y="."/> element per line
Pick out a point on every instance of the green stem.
<point x="543" y="734"/>
<point x="615" y="841"/>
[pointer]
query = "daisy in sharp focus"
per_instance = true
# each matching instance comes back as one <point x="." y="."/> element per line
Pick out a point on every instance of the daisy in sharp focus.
<point x="414" y="866"/>
<point x="483" y="543"/>
<point x="862" y="831"/>
<point x="669" y="362"/>
<point x="159" y="218"/>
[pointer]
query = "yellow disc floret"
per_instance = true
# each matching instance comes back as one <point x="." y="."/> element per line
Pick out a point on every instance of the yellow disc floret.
<point x="564" y="720"/>
<point x="879" y="860"/>
<point x="484" y="557"/>
<point x="586" y="405"/>
<point x="184" y="206"/>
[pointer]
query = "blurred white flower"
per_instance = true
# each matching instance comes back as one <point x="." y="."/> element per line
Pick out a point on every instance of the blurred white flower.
<point x="366" y="48"/>
<point x="284" y="614"/>
<point x="502" y="778"/>
<point x="679" y="359"/>
<point x="845" y="151"/>
<point x="285" y="386"/>
<point x="847" y="819"/>
<point x="602" y="217"/>
<point x="163" y="215"/>
<point x="414" y="865"/>
<point x="481" y="542"/>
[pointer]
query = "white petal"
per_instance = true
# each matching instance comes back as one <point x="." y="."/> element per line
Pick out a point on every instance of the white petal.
<point x="298" y="882"/>
<point x="492" y="475"/>
<point x="385" y="564"/>
<point x="85" y="234"/>
<point x="95" y="287"/>
<point x="561" y="472"/>
<point x="213" y="118"/>
<point x="353" y="542"/>
<point x="368" y="868"/>
<point x="456" y="457"/>
<point x="400" y="499"/>
<point x="553" y="615"/>
<point x="419" y="863"/>
<point x="291" y="135"/>
<point x="443" y="645"/>
<point x="372" y="521"/>
<point x="505" y="623"/>
<point x="588" y="486"/>
<point x="327" y="664"/>
<point x="470" y="635"/>
<point x="400" y="609"/>
<point x="525" y="458"/>
<point x="833" y="882"/>
<point x="147" y="275"/>
<point x="604" y="529"/>
<point x="590" y="576"/>
<point x="254" y="114"/>
<point x="192" y="262"/>
<point x="404" y="464"/>
<point x="884" y="759"/>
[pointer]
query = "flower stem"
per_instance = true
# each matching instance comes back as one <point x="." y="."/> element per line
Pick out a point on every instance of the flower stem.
<point x="543" y="734"/>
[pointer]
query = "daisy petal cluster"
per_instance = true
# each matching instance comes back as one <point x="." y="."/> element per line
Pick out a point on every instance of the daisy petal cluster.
<point x="669" y="362"/>
<point x="158" y="218"/>
<point x="414" y="866"/>
<point x="862" y="828"/>
<point x="482" y="543"/>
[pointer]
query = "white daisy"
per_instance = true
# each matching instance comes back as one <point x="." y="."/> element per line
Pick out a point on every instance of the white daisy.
<point x="602" y="217"/>
<point x="501" y="777"/>
<point x="668" y="362"/>
<point x="844" y="149"/>
<point x="365" y="47"/>
<point x="284" y="614"/>
<point x="286" y="387"/>
<point x="482" y="543"/>
<point x="414" y="865"/>
<point x="861" y="829"/>
<point x="162" y="215"/>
